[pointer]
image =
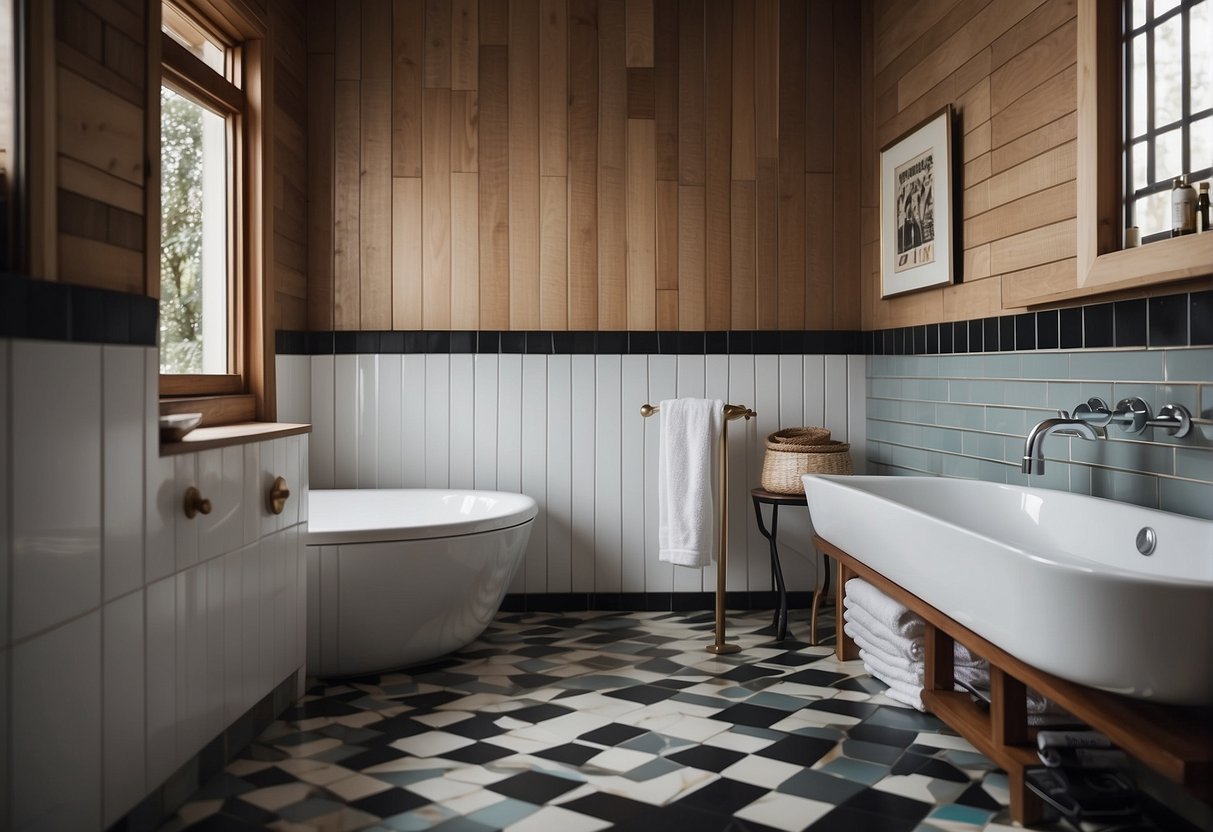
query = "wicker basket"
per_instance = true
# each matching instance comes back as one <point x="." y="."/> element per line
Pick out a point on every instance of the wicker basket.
<point x="784" y="464"/>
<point x="799" y="436"/>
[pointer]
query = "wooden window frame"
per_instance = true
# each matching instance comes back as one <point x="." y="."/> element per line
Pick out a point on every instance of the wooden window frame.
<point x="247" y="393"/>
<point x="1103" y="266"/>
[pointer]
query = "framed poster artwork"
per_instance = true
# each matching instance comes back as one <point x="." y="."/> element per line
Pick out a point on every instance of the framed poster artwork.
<point x="916" y="208"/>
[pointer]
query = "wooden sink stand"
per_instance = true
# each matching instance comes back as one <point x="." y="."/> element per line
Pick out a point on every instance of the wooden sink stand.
<point x="1176" y="742"/>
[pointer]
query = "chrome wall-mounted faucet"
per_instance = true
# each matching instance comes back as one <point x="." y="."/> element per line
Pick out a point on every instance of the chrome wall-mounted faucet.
<point x="1132" y="415"/>
<point x="1064" y="424"/>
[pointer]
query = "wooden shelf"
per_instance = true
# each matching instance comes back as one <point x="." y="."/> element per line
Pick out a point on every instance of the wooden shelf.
<point x="221" y="436"/>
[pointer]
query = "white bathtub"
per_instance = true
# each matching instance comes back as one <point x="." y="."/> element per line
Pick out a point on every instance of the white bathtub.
<point x="397" y="577"/>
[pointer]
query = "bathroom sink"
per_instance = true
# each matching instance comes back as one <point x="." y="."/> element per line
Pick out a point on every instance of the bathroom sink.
<point x="1055" y="579"/>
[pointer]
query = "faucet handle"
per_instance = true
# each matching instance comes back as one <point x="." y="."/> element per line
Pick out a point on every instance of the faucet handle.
<point x="1132" y="414"/>
<point x="1063" y="414"/>
<point x="1094" y="411"/>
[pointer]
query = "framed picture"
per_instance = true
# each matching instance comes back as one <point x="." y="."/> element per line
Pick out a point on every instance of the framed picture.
<point x="916" y="208"/>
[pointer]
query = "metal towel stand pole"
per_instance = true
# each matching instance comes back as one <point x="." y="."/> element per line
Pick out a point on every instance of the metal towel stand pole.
<point x="731" y="412"/>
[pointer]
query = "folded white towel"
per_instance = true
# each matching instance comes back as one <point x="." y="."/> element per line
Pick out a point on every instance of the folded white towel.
<point x="898" y="652"/>
<point x="893" y="615"/>
<point x="687" y="471"/>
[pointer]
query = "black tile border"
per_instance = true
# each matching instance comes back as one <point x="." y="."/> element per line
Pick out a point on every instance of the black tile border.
<point x="48" y="311"/>
<point x="648" y="601"/>
<point x="1179" y="320"/>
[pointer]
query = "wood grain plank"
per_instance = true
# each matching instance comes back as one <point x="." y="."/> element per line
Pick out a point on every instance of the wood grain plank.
<point x="1041" y="208"/>
<point x="465" y="44"/>
<point x="640" y="92"/>
<point x="406" y="253"/>
<point x="743" y="93"/>
<point x="553" y="252"/>
<point x="665" y="86"/>
<point x="494" y="23"/>
<point x="375" y="206"/>
<point x="692" y="286"/>
<point x="99" y="128"/>
<point x="1046" y="103"/>
<point x="1036" y="174"/>
<point x="553" y="88"/>
<point x="766" y="80"/>
<point x="819" y="250"/>
<point x="641" y="225"/>
<point x="524" y="164"/>
<point x="86" y="262"/>
<point x="1033" y="248"/>
<point x="347" y="42"/>
<point x="320" y="159"/>
<point x="408" y="38"/>
<point x="667" y="309"/>
<point x="465" y="251"/>
<point x="819" y="132"/>
<point x="1032" y="67"/>
<point x="494" y="163"/>
<point x="766" y="243"/>
<point x="691" y="148"/>
<point x="667" y="236"/>
<point x="320" y="26"/>
<point x="436" y="54"/>
<point x="1048" y="18"/>
<point x="97" y="184"/>
<point x="347" y="174"/>
<point x="846" y="275"/>
<point x="465" y="106"/>
<point x="1042" y="139"/>
<point x="718" y="26"/>
<point x="612" y="167"/>
<point x="742" y="221"/>
<point x="976" y="262"/>
<point x="436" y="208"/>
<point x="583" y="164"/>
<point x="639" y="50"/>
<point x="792" y="79"/>
<point x="1020" y="287"/>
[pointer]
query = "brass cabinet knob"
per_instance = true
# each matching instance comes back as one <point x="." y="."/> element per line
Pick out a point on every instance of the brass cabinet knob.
<point x="276" y="501"/>
<point x="195" y="503"/>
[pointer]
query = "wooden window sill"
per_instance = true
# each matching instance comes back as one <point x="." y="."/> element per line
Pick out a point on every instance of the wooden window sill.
<point x="222" y="436"/>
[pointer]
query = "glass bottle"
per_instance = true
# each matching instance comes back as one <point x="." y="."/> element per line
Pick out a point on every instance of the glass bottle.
<point x="1183" y="207"/>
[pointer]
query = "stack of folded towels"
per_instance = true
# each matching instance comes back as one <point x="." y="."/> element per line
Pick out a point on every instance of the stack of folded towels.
<point x="890" y="640"/>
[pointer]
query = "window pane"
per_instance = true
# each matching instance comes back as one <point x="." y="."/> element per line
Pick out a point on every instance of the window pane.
<point x="1202" y="57"/>
<point x="1202" y="144"/>
<point x="1138" y="84"/>
<point x="1153" y="213"/>
<point x="1168" y="72"/>
<point x="187" y="33"/>
<point x="1139" y="165"/>
<point x="1138" y="13"/>
<point x="193" y="242"/>
<point x="1168" y="158"/>
<point x="1161" y="7"/>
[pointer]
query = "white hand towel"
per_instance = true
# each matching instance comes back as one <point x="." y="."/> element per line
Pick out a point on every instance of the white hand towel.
<point x="906" y="653"/>
<point x="688" y="468"/>
<point x="890" y="613"/>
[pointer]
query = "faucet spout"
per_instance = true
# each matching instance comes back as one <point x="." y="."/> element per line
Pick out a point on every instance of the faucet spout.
<point x="1034" y="445"/>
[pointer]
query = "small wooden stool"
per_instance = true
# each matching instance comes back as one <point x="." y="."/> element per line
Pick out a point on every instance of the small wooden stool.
<point x="761" y="496"/>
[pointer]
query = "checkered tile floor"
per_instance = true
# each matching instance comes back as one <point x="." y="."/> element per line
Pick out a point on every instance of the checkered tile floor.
<point x="587" y="721"/>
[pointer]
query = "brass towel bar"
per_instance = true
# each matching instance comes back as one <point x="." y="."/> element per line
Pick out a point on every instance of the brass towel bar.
<point x="731" y="412"/>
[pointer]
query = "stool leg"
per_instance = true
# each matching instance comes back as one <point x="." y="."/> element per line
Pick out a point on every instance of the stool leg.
<point x="818" y="594"/>
<point x="781" y="610"/>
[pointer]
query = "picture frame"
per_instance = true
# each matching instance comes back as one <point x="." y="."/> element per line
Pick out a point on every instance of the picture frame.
<point x="916" y="208"/>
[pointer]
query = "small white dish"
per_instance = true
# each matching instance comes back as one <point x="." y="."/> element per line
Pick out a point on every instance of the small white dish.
<point x="175" y="426"/>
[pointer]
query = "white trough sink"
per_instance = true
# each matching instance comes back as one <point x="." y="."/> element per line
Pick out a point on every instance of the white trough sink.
<point x="1053" y="578"/>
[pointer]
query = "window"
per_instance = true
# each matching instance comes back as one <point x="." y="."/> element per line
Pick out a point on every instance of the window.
<point x="1168" y="105"/>
<point x="8" y="130"/>
<point x="213" y="210"/>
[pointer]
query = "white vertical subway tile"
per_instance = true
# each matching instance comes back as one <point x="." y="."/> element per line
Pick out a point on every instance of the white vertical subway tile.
<point x="663" y="384"/>
<point x="857" y="411"/>
<point x="766" y="402"/>
<point x="191" y="662"/>
<point x="298" y="571"/>
<point x="437" y="421"/>
<point x="305" y="485"/>
<point x="745" y="544"/>
<point x="233" y="635"/>
<point x="124" y="745"/>
<point x="5" y="471"/>
<point x="814" y="391"/>
<point x="275" y="462"/>
<point x="231" y="531"/>
<point x="294" y="448"/>
<point x="791" y="390"/>
<point x="484" y="438"/>
<point x="294" y="384"/>
<point x="185" y="529"/>
<point x="161" y="680"/>
<point x="323" y="436"/>
<point x="462" y="421"/>
<point x="509" y="437"/>
<point x="413" y="419"/>
<point x="345" y="421"/>
<point x="329" y="602"/>
<point x="835" y="397"/>
<point x="583" y="501"/>
<point x="691" y="377"/>
<point x="716" y="386"/>
<point x="388" y="423"/>
<point x="122" y="470"/>
<point x="635" y="391"/>
<point x="312" y="575"/>
<point x="267" y="628"/>
<point x="252" y="484"/>
<point x="250" y="568"/>
<point x="534" y="467"/>
<point x="559" y="485"/>
<point x="214" y="712"/>
<point x="56" y="412"/>
<point x="160" y="518"/>
<point x="224" y="504"/>
<point x="368" y="421"/>
<point x="56" y="725"/>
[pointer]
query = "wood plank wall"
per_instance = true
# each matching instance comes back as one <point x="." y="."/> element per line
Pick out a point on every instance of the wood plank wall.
<point x="102" y="102"/>
<point x="583" y="164"/>
<point x="1008" y="68"/>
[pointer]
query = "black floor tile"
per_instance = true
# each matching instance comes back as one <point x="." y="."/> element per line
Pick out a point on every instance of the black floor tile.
<point x="725" y="796"/>
<point x="844" y="819"/>
<point x="612" y="734"/>
<point x="707" y="757"/>
<point x="868" y="732"/>
<point x="478" y="727"/>
<point x="423" y="702"/>
<point x="861" y="710"/>
<point x="539" y="713"/>
<point x="477" y="754"/>
<point x="391" y="802"/>
<point x="791" y="660"/>
<point x="820" y="678"/>
<point x="820" y="786"/>
<point x="533" y="787"/>
<point x="572" y="753"/>
<point x="272" y="776"/>
<point x="221" y="822"/>
<point x="878" y="802"/>
<point x="978" y="798"/>
<point x="798" y="750"/>
<point x="608" y="807"/>
<point x="371" y="757"/>
<point x="645" y="694"/>
<point x="754" y="716"/>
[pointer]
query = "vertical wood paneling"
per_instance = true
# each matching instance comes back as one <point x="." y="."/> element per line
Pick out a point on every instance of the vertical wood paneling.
<point x="583" y="165"/>
<point x="494" y="22"/>
<point x="465" y="44"/>
<point x="640" y="32"/>
<point x="465" y="250"/>
<point x="406" y="253"/>
<point x="742" y="139"/>
<point x="320" y="160"/>
<point x="642" y="226"/>
<point x="692" y="294"/>
<point x="553" y="253"/>
<point x="741" y="219"/>
<point x="848" y="134"/>
<point x="665" y="87"/>
<point x="553" y="88"/>
<point x="436" y="208"/>
<point x="792" y="76"/>
<point x="375" y="197"/>
<point x="494" y="151"/>
<point x="819" y="250"/>
<point x="718" y="24"/>
<point x="667" y="235"/>
<point x="691" y="150"/>
<point x="408" y="36"/>
<point x="436" y="52"/>
<point x="347" y="175"/>
<point x="612" y="168"/>
<point x="819" y="132"/>
<point x="465" y="107"/>
<point x="766" y="149"/>
<point x="524" y="164"/>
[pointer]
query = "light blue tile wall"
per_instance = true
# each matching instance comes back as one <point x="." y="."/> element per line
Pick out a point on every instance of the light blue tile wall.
<point x="967" y="416"/>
